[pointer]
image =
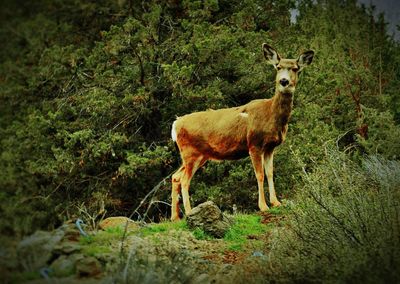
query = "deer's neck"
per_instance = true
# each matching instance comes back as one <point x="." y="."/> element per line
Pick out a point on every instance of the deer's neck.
<point x="282" y="107"/>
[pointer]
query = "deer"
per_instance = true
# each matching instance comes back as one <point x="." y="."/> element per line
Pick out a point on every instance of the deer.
<point x="253" y="129"/>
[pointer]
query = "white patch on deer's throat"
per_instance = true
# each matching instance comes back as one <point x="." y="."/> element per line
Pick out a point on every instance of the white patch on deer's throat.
<point x="243" y="114"/>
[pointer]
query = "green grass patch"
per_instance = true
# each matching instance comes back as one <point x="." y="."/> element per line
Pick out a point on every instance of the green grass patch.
<point x="199" y="234"/>
<point x="164" y="227"/>
<point x="279" y="211"/>
<point x="93" y="250"/>
<point x="101" y="242"/>
<point x="103" y="237"/>
<point x="244" y="226"/>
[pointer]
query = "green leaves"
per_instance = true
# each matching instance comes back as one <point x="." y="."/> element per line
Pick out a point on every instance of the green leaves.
<point x="89" y="92"/>
<point x="138" y="163"/>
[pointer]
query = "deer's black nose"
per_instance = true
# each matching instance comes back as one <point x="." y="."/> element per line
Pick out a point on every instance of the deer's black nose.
<point x="284" y="82"/>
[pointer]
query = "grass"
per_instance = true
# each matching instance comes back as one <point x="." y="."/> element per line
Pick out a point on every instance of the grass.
<point x="103" y="237"/>
<point x="94" y="250"/>
<point x="279" y="211"/>
<point x="245" y="225"/>
<point x="199" y="234"/>
<point x="164" y="227"/>
<point x="236" y="238"/>
<point x="101" y="242"/>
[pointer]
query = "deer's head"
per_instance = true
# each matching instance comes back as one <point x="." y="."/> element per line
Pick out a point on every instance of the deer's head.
<point x="287" y="69"/>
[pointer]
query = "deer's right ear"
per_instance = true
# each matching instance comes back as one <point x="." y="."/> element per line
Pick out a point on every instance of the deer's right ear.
<point x="270" y="54"/>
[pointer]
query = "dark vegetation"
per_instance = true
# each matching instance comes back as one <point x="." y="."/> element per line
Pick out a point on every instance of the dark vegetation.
<point x="89" y="89"/>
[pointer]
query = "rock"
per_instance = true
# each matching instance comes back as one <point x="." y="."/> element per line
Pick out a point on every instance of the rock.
<point x="258" y="254"/>
<point x="112" y="222"/>
<point x="71" y="232"/>
<point x="63" y="266"/>
<point x="35" y="251"/>
<point x="208" y="217"/>
<point x="88" y="267"/>
<point x="139" y="247"/>
<point x="67" y="247"/>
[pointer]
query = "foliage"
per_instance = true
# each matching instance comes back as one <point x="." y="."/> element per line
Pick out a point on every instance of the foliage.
<point x="345" y="226"/>
<point x="89" y="91"/>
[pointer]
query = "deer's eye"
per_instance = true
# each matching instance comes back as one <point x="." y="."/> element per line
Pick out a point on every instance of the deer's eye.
<point x="295" y="69"/>
<point x="278" y="68"/>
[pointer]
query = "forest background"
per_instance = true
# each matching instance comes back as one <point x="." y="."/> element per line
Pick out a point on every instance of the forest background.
<point x="89" y="90"/>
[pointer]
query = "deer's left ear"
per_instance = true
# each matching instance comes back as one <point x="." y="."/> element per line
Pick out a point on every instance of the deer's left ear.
<point x="305" y="59"/>
<point x="271" y="55"/>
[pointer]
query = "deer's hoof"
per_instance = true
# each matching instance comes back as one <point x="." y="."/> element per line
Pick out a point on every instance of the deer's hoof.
<point x="175" y="218"/>
<point x="276" y="204"/>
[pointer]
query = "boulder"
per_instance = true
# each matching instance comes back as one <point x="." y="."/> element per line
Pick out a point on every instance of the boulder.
<point x="120" y="221"/>
<point x="35" y="251"/>
<point x="208" y="217"/>
<point x="67" y="247"/>
<point x="64" y="265"/>
<point x="40" y="249"/>
<point x="88" y="266"/>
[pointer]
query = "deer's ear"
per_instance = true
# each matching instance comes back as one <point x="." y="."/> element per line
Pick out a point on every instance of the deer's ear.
<point x="305" y="59"/>
<point x="271" y="55"/>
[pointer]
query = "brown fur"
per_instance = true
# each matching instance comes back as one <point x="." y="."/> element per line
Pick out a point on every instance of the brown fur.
<point x="253" y="129"/>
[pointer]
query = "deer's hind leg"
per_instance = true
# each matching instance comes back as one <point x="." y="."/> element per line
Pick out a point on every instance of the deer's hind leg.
<point x="176" y="190"/>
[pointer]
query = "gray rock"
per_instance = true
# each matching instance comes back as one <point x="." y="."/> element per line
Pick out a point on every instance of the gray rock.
<point x="71" y="232"/>
<point x="257" y="254"/>
<point x="67" y="247"/>
<point x="63" y="266"/>
<point x="208" y="217"/>
<point x="35" y="251"/>
<point x="88" y="267"/>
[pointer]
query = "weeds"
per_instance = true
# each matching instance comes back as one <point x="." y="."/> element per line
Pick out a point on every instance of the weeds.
<point x="143" y="270"/>
<point x="346" y="225"/>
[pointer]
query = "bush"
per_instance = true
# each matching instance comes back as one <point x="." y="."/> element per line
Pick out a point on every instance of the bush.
<point x="89" y="91"/>
<point x="345" y="227"/>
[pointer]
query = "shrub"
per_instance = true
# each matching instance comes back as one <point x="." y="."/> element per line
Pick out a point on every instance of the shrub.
<point x="89" y="91"/>
<point x="345" y="227"/>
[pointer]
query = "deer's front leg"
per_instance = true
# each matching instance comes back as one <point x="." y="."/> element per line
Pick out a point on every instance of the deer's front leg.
<point x="185" y="191"/>
<point x="269" y="171"/>
<point x="257" y="158"/>
<point x="191" y="166"/>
